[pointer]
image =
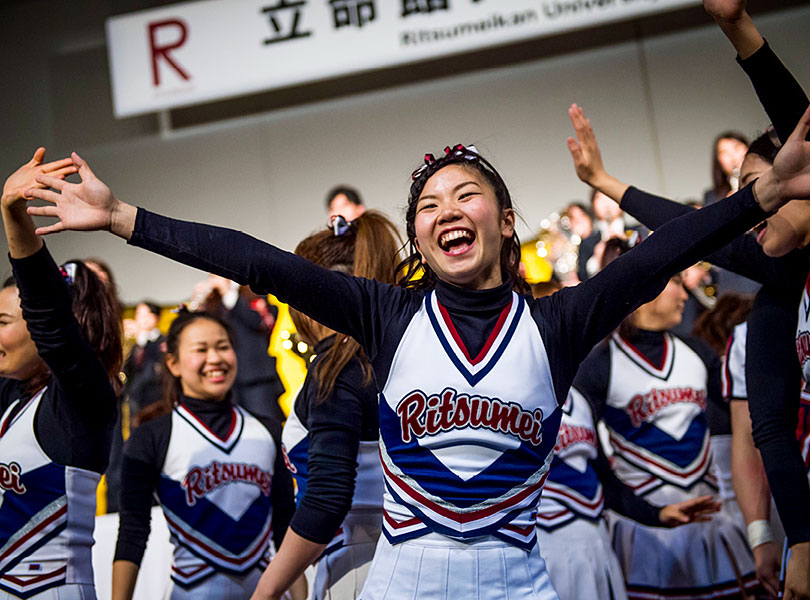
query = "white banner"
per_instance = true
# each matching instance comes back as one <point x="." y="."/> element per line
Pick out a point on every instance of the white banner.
<point x="194" y="52"/>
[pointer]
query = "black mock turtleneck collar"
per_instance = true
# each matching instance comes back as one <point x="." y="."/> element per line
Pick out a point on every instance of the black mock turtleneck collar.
<point x="470" y="301"/>
<point x="217" y="415"/>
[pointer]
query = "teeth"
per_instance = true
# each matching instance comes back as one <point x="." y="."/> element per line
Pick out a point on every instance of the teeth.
<point x="454" y="235"/>
<point x="215" y="373"/>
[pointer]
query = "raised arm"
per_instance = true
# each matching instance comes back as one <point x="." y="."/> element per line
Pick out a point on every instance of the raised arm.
<point x="364" y="308"/>
<point x="742" y="256"/>
<point x="585" y="314"/>
<point x="47" y="309"/>
<point x="779" y="93"/>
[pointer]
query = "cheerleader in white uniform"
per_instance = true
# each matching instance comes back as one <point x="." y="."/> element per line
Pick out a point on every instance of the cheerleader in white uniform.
<point x="331" y="437"/>
<point x="217" y="471"/>
<point x="60" y="352"/>
<point x="471" y="373"/>
<point x="651" y="389"/>
<point x="571" y="529"/>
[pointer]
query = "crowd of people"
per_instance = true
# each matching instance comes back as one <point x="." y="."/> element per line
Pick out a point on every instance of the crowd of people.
<point x="621" y="433"/>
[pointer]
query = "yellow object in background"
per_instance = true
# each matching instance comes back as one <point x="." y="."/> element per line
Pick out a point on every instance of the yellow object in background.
<point x="290" y="366"/>
<point x="538" y="269"/>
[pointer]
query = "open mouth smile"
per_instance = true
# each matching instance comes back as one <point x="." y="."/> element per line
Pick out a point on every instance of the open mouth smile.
<point x="456" y="241"/>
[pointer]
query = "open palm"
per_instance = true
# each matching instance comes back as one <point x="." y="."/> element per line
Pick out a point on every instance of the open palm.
<point x="85" y="206"/>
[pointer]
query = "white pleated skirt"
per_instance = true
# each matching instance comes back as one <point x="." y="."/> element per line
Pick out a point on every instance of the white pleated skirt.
<point x="440" y="568"/>
<point x="580" y="561"/>
<point x="699" y="561"/>
<point x="218" y="587"/>
<point x="340" y="575"/>
<point x="70" y="591"/>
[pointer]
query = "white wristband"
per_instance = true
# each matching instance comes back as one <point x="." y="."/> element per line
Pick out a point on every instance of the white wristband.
<point x="759" y="532"/>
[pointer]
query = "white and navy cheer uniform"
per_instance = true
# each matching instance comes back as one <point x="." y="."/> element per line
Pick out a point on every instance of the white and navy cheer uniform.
<point x="54" y="446"/>
<point x="471" y="383"/>
<point x="651" y="391"/>
<point x="803" y="349"/>
<point x="331" y="446"/>
<point x="219" y="476"/>
<point x="572" y="534"/>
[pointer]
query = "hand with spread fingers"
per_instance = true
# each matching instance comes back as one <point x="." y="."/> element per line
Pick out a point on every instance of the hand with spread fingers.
<point x="588" y="157"/>
<point x="695" y="510"/>
<point x="85" y="206"/>
<point x="23" y="179"/>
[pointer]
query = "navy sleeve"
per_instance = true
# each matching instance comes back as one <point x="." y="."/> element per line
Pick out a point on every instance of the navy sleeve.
<point x="358" y="307"/>
<point x="773" y="377"/>
<point x="577" y="318"/>
<point x="335" y="431"/>
<point x="75" y="423"/>
<point x="778" y="91"/>
<point x="620" y="497"/>
<point x="144" y="454"/>
<point x="742" y="256"/>
<point x="282" y="494"/>
<point x="593" y="378"/>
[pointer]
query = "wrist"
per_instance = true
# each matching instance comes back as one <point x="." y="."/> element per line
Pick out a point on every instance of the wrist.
<point x="766" y="192"/>
<point x="759" y="532"/>
<point x="122" y="219"/>
<point x="742" y="33"/>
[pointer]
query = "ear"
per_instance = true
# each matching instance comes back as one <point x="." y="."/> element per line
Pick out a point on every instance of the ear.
<point x="507" y="223"/>
<point x="422" y="256"/>
<point x="172" y="365"/>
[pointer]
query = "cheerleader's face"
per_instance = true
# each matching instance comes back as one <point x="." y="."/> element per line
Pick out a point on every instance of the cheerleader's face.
<point x="460" y="228"/>
<point x="666" y="311"/>
<point x="18" y="354"/>
<point x="789" y="228"/>
<point x="205" y="361"/>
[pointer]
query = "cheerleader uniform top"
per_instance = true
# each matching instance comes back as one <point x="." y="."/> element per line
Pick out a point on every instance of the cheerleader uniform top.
<point x="470" y="381"/>
<point x="219" y="476"/>
<point x="331" y="449"/>
<point x="772" y="371"/>
<point x="651" y="392"/>
<point x="54" y="445"/>
<point x="581" y="482"/>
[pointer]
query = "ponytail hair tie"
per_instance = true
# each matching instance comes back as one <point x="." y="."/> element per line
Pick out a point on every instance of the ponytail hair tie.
<point x="68" y="271"/>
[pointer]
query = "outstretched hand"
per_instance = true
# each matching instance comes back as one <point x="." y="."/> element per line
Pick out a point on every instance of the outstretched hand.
<point x="584" y="149"/>
<point x="725" y="10"/>
<point x="588" y="158"/>
<point x="85" y="206"/>
<point x="695" y="510"/>
<point x="23" y="179"/>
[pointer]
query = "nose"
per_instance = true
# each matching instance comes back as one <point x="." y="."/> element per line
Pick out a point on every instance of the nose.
<point x="449" y="212"/>
<point x="213" y="356"/>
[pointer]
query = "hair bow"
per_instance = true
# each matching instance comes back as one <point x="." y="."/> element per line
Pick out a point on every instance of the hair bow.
<point x="467" y="152"/>
<point x="339" y="224"/>
<point x="68" y="271"/>
<point x="429" y="160"/>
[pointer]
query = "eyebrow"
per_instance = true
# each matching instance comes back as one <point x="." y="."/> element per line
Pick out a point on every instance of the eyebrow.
<point x="455" y="189"/>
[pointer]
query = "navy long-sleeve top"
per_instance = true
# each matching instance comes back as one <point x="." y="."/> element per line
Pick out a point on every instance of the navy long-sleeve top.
<point x="77" y="413"/>
<point x="336" y="426"/>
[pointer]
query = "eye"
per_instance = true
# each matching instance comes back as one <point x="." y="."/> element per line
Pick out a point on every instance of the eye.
<point x="425" y="206"/>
